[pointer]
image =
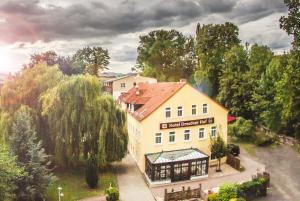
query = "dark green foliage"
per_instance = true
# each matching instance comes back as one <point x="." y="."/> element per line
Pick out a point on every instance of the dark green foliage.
<point x="213" y="197"/>
<point x="264" y="139"/>
<point x="242" y="129"/>
<point x="91" y="171"/>
<point x="227" y="192"/>
<point x="112" y="194"/>
<point x="218" y="149"/>
<point x="92" y="59"/>
<point x="253" y="189"/>
<point x="30" y="156"/>
<point x="212" y="41"/>
<point x="166" y="55"/>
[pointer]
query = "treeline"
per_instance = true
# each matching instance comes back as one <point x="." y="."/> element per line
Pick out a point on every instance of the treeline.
<point x="250" y="80"/>
<point x="53" y="116"/>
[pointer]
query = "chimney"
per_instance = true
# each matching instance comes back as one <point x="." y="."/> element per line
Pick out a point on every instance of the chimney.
<point x="137" y="92"/>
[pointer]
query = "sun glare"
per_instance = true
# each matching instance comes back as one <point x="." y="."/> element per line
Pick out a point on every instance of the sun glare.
<point x="5" y="59"/>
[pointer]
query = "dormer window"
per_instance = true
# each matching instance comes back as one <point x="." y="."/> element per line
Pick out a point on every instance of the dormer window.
<point x="122" y="85"/>
<point x="168" y="112"/>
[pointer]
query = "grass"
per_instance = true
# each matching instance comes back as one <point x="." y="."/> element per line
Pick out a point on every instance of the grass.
<point x="75" y="188"/>
<point x="248" y="146"/>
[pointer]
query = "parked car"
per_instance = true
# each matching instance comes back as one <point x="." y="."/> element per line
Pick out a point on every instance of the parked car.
<point x="234" y="149"/>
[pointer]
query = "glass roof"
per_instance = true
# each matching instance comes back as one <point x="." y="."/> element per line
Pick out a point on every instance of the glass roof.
<point x="176" y="156"/>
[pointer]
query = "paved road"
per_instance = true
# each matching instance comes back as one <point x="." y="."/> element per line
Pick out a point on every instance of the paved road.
<point x="284" y="165"/>
<point x="131" y="183"/>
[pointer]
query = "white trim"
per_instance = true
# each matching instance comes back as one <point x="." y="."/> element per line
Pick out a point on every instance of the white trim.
<point x="207" y="111"/>
<point x="174" y="137"/>
<point x="166" y="112"/>
<point x="181" y="111"/>
<point x="203" y="138"/>
<point x="190" y="135"/>
<point x="161" y="139"/>
<point x="199" y="177"/>
<point x="195" y="109"/>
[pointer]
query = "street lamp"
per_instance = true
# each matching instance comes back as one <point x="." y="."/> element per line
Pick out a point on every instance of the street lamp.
<point x="60" y="194"/>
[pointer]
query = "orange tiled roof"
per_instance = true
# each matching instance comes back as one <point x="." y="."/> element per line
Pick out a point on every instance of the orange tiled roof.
<point x="151" y="96"/>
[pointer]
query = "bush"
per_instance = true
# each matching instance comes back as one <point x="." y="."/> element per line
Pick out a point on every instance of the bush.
<point x="91" y="172"/>
<point x="263" y="139"/>
<point x="112" y="194"/>
<point x="213" y="197"/>
<point x="237" y="199"/>
<point x="254" y="188"/>
<point x="242" y="129"/>
<point x="228" y="191"/>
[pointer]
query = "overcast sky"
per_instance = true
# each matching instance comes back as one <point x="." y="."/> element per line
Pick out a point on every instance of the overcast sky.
<point x="32" y="26"/>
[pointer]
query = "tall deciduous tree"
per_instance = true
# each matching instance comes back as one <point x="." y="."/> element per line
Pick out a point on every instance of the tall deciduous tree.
<point x="212" y="41"/>
<point x="92" y="59"/>
<point x="83" y="121"/>
<point x="235" y="88"/>
<point x="166" y="55"/>
<point x="30" y="156"/>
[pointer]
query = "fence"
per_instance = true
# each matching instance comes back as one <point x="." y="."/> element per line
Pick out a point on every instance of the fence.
<point x="233" y="162"/>
<point x="183" y="194"/>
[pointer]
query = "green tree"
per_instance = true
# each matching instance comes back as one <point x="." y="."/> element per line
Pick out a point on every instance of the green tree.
<point x="84" y="121"/>
<point x="9" y="173"/>
<point x="30" y="156"/>
<point x="91" y="171"/>
<point x="291" y="23"/>
<point x="218" y="149"/>
<point x="235" y="86"/>
<point x="242" y="129"/>
<point x="212" y="42"/>
<point x="92" y="59"/>
<point x="112" y="194"/>
<point x="166" y="55"/>
<point x="228" y="192"/>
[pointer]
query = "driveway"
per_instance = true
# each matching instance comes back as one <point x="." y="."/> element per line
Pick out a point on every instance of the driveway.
<point x="283" y="163"/>
<point x="131" y="183"/>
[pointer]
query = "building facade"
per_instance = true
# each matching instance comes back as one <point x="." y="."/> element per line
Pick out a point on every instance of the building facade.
<point x="170" y="125"/>
<point x="117" y="86"/>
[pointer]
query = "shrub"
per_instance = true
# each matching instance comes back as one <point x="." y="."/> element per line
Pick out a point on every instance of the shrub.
<point x="91" y="172"/>
<point x="112" y="194"/>
<point x="242" y="129"/>
<point x="263" y="139"/>
<point x="213" y="197"/>
<point x="228" y="191"/>
<point x="237" y="199"/>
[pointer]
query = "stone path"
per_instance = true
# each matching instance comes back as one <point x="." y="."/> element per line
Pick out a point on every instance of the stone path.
<point x="131" y="183"/>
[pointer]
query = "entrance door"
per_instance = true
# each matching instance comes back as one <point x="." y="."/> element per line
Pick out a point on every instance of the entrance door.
<point x="180" y="172"/>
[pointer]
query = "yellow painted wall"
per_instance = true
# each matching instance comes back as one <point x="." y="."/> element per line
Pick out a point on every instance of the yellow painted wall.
<point x="129" y="81"/>
<point x="144" y="142"/>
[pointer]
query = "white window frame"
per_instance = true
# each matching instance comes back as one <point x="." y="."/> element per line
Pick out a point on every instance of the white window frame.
<point x="168" y="109"/>
<point x="179" y="110"/>
<point x="213" y="129"/>
<point x="201" y="130"/>
<point x="173" y="133"/>
<point x="187" y="132"/>
<point x="161" y="138"/>
<point x="194" y="108"/>
<point x="206" y="108"/>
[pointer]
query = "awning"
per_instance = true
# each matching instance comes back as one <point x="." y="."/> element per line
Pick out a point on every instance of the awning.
<point x="176" y="156"/>
<point x="231" y="119"/>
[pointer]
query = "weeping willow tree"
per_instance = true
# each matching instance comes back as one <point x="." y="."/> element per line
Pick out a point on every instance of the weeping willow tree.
<point x="84" y="121"/>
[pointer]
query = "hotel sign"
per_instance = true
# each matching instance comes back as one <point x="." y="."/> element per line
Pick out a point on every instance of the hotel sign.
<point x="180" y="124"/>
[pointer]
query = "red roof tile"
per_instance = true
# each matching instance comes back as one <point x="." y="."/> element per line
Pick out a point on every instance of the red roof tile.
<point x="151" y="96"/>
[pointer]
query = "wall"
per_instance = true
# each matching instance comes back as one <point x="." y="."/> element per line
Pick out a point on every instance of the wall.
<point x="129" y="83"/>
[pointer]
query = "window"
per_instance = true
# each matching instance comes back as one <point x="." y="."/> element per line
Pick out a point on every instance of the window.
<point x="187" y="135"/>
<point x="213" y="131"/>
<point x="179" y="111"/>
<point x="158" y="138"/>
<point x="122" y="85"/>
<point x="201" y="133"/>
<point x="168" y="112"/>
<point x="205" y="109"/>
<point x="172" y="137"/>
<point x="194" y="109"/>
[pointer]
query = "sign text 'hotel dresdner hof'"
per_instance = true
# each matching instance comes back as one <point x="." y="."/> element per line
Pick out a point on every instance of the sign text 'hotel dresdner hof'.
<point x="195" y="122"/>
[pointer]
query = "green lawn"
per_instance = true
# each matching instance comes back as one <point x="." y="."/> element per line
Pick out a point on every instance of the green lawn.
<point x="74" y="186"/>
<point x="248" y="146"/>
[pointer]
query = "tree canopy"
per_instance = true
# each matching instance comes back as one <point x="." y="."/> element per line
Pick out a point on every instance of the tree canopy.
<point x="166" y="55"/>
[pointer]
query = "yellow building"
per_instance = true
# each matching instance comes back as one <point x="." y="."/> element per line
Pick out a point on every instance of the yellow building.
<point x="169" y="126"/>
